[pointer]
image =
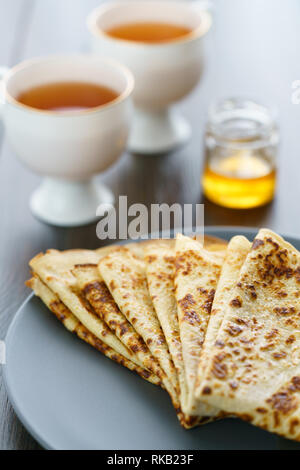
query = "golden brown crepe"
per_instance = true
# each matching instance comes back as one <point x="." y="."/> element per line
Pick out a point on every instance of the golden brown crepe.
<point x="93" y="288"/>
<point x="211" y="243"/>
<point x="237" y="250"/>
<point x="66" y="317"/>
<point x="125" y="276"/>
<point x="54" y="269"/>
<point x="197" y="271"/>
<point x="160" y="276"/>
<point x="58" y="280"/>
<point x="254" y="367"/>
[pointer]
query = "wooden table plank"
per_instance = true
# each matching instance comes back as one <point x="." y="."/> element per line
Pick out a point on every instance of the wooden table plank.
<point x="256" y="55"/>
<point x="14" y="23"/>
<point x="253" y="52"/>
<point x="59" y="26"/>
<point x="13" y="26"/>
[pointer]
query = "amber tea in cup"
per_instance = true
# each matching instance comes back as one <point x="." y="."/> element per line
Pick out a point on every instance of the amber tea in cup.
<point x="149" y="32"/>
<point x="241" y="144"/>
<point x="162" y="43"/>
<point x="67" y="96"/>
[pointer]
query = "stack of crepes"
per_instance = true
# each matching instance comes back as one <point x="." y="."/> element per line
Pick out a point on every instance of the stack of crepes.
<point x="216" y="326"/>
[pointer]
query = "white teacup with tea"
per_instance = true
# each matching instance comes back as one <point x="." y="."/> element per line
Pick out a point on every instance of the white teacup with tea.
<point x="67" y="118"/>
<point x="162" y="44"/>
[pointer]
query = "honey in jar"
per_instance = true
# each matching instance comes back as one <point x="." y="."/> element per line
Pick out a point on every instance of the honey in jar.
<point x="240" y="165"/>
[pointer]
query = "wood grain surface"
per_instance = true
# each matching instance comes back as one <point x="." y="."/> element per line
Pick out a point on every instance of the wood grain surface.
<point x="252" y="52"/>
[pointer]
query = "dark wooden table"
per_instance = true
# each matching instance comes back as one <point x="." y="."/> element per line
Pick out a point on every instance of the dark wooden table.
<point x="254" y="51"/>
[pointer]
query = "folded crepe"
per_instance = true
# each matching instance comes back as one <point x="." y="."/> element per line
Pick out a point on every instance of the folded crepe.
<point x="197" y="271"/>
<point x="254" y="366"/>
<point x="88" y="311"/>
<point x="160" y="276"/>
<point x="160" y="265"/>
<point x="138" y="249"/>
<point x="125" y="276"/>
<point x="54" y="270"/>
<point x="65" y="316"/>
<point x="93" y="288"/>
<point x="237" y="251"/>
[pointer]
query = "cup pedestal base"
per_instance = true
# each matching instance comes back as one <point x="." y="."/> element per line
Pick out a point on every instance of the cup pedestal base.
<point x="68" y="203"/>
<point x="155" y="132"/>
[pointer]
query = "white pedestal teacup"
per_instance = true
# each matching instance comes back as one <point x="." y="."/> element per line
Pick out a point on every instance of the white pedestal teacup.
<point x="68" y="148"/>
<point x="164" y="72"/>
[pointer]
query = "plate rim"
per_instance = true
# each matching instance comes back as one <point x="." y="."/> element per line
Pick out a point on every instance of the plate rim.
<point x="10" y="394"/>
<point x="30" y="428"/>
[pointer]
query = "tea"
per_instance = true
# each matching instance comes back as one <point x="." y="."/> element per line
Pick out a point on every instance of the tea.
<point x="149" y="32"/>
<point x="67" y="96"/>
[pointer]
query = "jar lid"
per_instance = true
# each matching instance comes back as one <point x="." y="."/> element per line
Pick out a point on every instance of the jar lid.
<point x="241" y="121"/>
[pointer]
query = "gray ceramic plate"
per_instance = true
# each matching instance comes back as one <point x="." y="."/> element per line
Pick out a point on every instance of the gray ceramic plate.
<point x="69" y="396"/>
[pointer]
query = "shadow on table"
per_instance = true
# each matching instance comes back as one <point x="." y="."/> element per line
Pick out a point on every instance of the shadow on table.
<point x="257" y="217"/>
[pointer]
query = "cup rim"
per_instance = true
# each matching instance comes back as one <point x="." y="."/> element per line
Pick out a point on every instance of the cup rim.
<point x="25" y="63"/>
<point x="196" y="33"/>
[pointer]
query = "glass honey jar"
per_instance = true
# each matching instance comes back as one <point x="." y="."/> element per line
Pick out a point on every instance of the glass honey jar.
<point x="241" y="143"/>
